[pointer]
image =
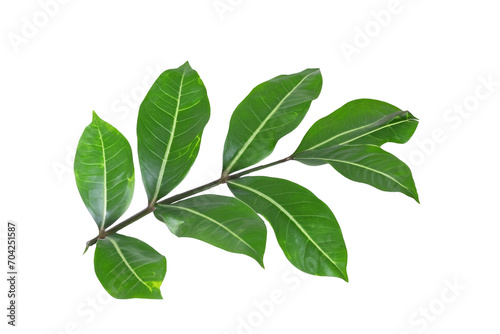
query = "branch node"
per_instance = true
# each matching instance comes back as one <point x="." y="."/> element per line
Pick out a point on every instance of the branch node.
<point x="224" y="177"/>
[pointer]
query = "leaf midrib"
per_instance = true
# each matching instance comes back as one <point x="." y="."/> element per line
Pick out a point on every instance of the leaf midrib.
<point x="398" y="113"/>
<point x="262" y="124"/>
<point x="290" y="216"/>
<point x="365" y="167"/>
<point x="169" y="145"/>
<point x="118" y="250"/>
<point x="105" y="182"/>
<point x="375" y="130"/>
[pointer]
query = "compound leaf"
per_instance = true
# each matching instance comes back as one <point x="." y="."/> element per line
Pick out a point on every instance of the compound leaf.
<point x="305" y="227"/>
<point x="224" y="222"/>
<point x="129" y="268"/>
<point x="104" y="172"/>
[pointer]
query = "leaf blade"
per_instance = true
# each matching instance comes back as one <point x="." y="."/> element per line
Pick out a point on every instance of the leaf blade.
<point x="221" y="221"/>
<point x="169" y="129"/>
<point x="129" y="268"/>
<point x="362" y="121"/>
<point x="270" y="111"/>
<point x="298" y="219"/>
<point x="104" y="172"/>
<point x="366" y="164"/>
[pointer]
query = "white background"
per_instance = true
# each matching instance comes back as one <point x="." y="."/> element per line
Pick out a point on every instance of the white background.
<point x="429" y="57"/>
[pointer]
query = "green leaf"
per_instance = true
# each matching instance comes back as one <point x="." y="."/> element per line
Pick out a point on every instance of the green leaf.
<point x="271" y="110"/>
<point x="224" y="222"/>
<point x="169" y="128"/>
<point x="129" y="268"/>
<point x="361" y="121"/>
<point x="104" y="172"/>
<point x="305" y="227"/>
<point x="367" y="164"/>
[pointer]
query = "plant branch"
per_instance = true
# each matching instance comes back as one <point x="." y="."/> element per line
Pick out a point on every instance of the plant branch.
<point x="191" y="192"/>
<point x="251" y="170"/>
<point x="144" y="212"/>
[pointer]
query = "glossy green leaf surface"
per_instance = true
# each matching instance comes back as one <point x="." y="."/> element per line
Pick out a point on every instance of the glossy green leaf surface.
<point x="367" y="164"/>
<point x="362" y="121"/>
<point x="305" y="227"/>
<point x="104" y="172"/>
<point x="221" y="221"/>
<point x="129" y="268"/>
<point x="271" y="110"/>
<point x="169" y="128"/>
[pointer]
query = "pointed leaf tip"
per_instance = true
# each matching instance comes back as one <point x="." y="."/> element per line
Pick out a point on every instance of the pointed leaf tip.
<point x="86" y="249"/>
<point x="185" y="66"/>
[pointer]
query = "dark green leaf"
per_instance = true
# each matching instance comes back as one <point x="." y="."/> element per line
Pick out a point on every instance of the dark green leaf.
<point x="305" y="227"/>
<point x="361" y="121"/>
<point x="271" y="110"/>
<point x="224" y="222"/>
<point x="365" y="163"/>
<point x="169" y="128"/>
<point x="104" y="172"/>
<point x="129" y="268"/>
